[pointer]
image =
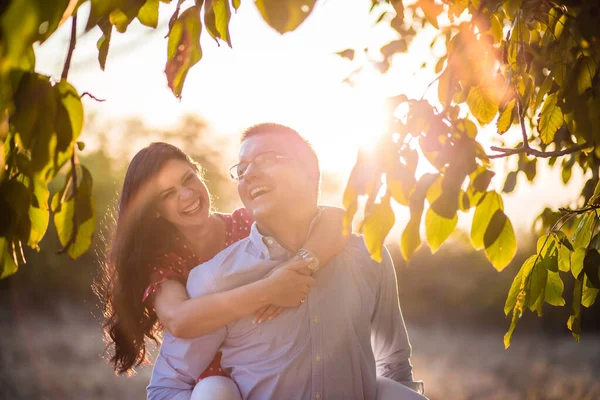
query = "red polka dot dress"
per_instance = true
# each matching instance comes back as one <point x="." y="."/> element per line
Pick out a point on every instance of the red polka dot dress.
<point x="178" y="262"/>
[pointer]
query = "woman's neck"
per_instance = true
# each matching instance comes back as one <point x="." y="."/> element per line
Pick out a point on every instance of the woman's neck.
<point x="208" y="239"/>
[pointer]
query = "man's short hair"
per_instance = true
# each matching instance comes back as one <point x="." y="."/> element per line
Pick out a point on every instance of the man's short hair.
<point x="309" y="154"/>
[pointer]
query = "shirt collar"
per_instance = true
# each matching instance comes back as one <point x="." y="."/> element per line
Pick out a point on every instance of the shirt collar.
<point x="268" y="244"/>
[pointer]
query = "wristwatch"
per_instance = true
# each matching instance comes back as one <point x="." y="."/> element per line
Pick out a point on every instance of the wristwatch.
<point x="308" y="256"/>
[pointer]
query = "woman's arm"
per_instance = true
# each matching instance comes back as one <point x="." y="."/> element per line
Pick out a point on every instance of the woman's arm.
<point x="187" y="318"/>
<point x="325" y="241"/>
<point x="327" y="237"/>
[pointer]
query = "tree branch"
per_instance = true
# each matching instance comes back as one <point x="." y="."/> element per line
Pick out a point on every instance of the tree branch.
<point x="65" y="71"/>
<point x="581" y="210"/>
<point x="505" y="152"/>
<point x="525" y="148"/>
<point x="92" y="96"/>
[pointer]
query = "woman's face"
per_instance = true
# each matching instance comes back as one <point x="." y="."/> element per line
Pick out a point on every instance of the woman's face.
<point x="183" y="199"/>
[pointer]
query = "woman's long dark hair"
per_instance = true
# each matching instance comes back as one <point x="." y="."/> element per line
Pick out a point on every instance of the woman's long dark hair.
<point x="137" y="236"/>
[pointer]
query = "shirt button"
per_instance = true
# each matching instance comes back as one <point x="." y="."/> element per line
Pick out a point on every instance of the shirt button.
<point x="315" y="319"/>
<point x="318" y="395"/>
<point x="318" y="358"/>
<point x="269" y="241"/>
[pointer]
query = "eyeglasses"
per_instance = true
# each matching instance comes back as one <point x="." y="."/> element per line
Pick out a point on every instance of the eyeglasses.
<point x="262" y="160"/>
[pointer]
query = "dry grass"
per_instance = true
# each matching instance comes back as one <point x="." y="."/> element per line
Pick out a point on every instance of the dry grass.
<point x="60" y="357"/>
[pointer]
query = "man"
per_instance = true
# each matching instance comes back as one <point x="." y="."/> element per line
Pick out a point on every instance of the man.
<point x="348" y="328"/>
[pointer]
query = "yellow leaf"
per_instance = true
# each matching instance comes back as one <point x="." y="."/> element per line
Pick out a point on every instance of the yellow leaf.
<point x="483" y="215"/>
<point x="431" y="10"/>
<point x="438" y="228"/>
<point x="285" y="16"/>
<point x="376" y="227"/>
<point x="483" y="104"/>
<point x="506" y="117"/>
<point x="183" y="48"/>
<point x="550" y="119"/>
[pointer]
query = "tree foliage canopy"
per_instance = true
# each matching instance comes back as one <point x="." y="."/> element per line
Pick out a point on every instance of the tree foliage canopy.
<point x="530" y="65"/>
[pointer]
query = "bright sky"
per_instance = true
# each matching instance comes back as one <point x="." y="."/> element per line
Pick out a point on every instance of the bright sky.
<point x="293" y="79"/>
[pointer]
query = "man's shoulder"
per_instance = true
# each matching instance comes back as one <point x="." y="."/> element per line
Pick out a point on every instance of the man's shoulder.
<point x="356" y="247"/>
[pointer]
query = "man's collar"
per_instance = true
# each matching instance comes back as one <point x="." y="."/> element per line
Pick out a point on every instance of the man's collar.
<point x="269" y="246"/>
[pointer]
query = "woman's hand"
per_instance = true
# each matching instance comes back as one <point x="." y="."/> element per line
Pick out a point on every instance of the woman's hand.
<point x="288" y="287"/>
<point x="327" y="238"/>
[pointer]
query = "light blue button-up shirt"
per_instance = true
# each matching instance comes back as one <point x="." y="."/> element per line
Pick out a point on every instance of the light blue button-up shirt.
<point x="349" y="329"/>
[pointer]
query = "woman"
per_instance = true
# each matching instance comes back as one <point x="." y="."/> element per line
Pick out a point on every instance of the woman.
<point x="165" y="227"/>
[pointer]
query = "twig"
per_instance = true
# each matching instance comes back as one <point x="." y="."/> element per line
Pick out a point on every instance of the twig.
<point x="581" y="210"/>
<point x="92" y="96"/>
<point x="65" y="71"/>
<point x="537" y="153"/>
<point x="525" y="148"/>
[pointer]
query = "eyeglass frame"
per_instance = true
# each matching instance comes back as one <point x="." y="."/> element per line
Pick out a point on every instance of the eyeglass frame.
<point x="237" y="177"/>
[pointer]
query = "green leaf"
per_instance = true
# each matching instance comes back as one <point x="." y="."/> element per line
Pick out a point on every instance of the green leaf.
<point x="502" y="250"/>
<point x="550" y="119"/>
<point x="39" y="214"/>
<point x="376" y="227"/>
<point x="479" y="180"/>
<point x="216" y="19"/>
<point x="400" y="184"/>
<point x="511" y="7"/>
<point x="103" y="43"/>
<point x="518" y="284"/>
<point x="100" y="10"/>
<point x="583" y="233"/>
<point x="564" y="254"/>
<point x="547" y="248"/>
<point x="438" y="228"/>
<point x="496" y="28"/>
<point x="577" y="261"/>
<point x="589" y="294"/>
<point x="69" y="121"/>
<point x="554" y="290"/>
<point x="411" y="238"/>
<point x="544" y="89"/>
<point x="183" y="48"/>
<point x="490" y="203"/>
<point x="511" y="182"/>
<point x="574" y="321"/>
<point x="126" y="13"/>
<point x="431" y="10"/>
<point x="148" y="14"/>
<point x="236" y="4"/>
<point x="591" y="267"/>
<point x="285" y="16"/>
<point x="537" y="290"/>
<point x="15" y="199"/>
<point x="77" y="213"/>
<point x="8" y="264"/>
<point x="483" y="104"/>
<point x="34" y="119"/>
<point x="348" y="54"/>
<point x="80" y="146"/>
<point x="586" y="68"/>
<point x="507" y="117"/>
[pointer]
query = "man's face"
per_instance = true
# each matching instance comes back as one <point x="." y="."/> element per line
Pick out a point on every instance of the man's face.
<point x="276" y="183"/>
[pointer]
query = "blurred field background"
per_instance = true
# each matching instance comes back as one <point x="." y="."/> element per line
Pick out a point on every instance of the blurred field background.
<point x="50" y="336"/>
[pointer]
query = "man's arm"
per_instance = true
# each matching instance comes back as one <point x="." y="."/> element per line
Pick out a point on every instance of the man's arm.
<point x="181" y="361"/>
<point x="388" y="333"/>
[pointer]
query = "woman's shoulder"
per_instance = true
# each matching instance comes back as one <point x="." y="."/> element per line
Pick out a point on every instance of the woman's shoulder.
<point x="242" y="216"/>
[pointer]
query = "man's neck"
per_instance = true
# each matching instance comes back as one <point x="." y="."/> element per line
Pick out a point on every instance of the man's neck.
<point x="289" y="231"/>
